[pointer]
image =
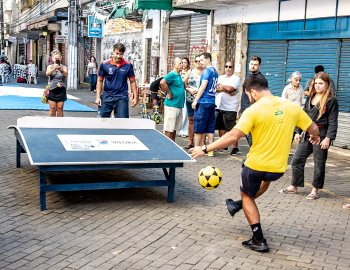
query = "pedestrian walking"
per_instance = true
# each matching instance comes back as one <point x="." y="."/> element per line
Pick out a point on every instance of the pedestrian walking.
<point x="192" y="82"/>
<point x="57" y="90"/>
<point x="91" y="72"/>
<point x="226" y="102"/>
<point x="183" y="133"/>
<point x="318" y="69"/>
<point x="115" y="73"/>
<point x="269" y="119"/>
<point x="173" y="86"/>
<point x="204" y="103"/>
<point x="322" y="107"/>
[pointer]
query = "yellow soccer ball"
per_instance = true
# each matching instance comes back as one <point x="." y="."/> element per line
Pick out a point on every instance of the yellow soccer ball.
<point x="210" y="177"/>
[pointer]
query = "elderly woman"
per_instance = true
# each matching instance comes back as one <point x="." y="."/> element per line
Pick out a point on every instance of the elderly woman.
<point x="294" y="91"/>
<point x="322" y="107"/>
<point x="58" y="94"/>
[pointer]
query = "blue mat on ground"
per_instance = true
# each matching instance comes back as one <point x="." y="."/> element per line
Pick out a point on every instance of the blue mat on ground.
<point x="34" y="103"/>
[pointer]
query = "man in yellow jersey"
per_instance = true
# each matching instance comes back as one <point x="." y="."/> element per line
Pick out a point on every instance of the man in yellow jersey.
<point x="271" y="121"/>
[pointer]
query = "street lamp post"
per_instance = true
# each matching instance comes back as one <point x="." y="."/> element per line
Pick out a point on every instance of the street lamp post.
<point x="72" y="46"/>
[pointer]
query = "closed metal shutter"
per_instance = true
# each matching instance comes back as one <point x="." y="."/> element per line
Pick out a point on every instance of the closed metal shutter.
<point x="198" y="37"/>
<point x="343" y="95"/>
<point x="343" y="92"/>
<point x="179" y="35"/>
<point x="273" y="57"/>
<point x="21" y="49"/>
<point x="305" y="55"/>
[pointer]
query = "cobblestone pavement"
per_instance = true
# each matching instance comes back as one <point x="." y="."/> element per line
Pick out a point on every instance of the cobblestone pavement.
<point x="138" y="229"/>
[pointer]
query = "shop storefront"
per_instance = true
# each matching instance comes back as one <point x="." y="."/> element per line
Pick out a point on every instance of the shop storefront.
<point x="283" y="53"/>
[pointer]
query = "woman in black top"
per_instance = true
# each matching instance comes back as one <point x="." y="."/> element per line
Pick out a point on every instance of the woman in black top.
<point x="58" y="86"/>
<point x="322" y="107"/>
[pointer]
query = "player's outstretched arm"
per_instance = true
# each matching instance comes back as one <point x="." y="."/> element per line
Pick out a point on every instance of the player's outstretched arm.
<point x="315" y="133"/>
<point x="228" y="139"/>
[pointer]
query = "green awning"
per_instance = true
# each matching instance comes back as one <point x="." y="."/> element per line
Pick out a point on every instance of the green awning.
<point x="134" y="5"/>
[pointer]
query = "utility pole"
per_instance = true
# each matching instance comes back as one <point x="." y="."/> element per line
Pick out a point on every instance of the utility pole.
<point x="72" y="46"/>
<point x="2" y="24"/>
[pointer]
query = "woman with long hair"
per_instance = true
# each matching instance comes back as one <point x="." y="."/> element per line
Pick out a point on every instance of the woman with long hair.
<point x="58" y="94"/>
<point x="322" y="107"/>
<point x="92" y="70"/>
<point x="185" y="63"/>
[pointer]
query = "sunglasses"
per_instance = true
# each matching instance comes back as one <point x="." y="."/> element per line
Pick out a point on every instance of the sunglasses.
<point x="228" y="66"/>
<point x="197" y="61"/>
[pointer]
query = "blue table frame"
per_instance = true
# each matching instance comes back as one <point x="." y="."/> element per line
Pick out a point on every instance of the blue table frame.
<point x="168" y="170"/>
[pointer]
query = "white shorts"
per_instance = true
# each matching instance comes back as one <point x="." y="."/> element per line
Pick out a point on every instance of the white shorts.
<point x="172" y="118"/>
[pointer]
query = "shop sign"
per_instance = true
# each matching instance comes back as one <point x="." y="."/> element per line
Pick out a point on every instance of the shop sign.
<point x="60" y="39"/>
<point x="64" y="28"/>
<point x="33" y="36"/>
<point x="12" y="39"/>
<point x="42" y="40"/>
<point x="95" y="27"/>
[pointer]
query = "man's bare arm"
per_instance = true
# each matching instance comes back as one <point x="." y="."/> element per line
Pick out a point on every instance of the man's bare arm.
<point x="165" y="88"/>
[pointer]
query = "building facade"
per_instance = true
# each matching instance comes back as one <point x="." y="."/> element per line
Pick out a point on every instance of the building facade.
<point x="289" y="36"/>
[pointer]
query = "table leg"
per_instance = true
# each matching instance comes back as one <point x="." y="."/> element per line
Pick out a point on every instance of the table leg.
<point x="42" y="194"/>
<point x="18" y="154"/>
<point x="171" y="188"/>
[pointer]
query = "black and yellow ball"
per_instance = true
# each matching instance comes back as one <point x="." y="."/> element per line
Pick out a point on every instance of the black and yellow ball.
<point x="210" y="177"/>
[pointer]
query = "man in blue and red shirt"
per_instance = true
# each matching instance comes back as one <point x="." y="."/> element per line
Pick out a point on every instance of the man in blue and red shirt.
<point x="204" y="103"/>
<point x="115" y="97"/>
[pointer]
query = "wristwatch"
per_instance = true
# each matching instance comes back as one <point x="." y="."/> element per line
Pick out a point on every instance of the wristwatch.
<point x="204" y="149"/>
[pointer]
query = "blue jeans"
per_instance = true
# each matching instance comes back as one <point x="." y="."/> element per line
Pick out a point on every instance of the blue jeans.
<point x="120" y="106"/>
<point x="93" y="82"/>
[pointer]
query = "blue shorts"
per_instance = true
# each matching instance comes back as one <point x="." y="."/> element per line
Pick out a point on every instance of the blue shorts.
<point x="190" y="111"/>
<point x="120" y="106"/>
<point x="251" y="180"/>
<point x="204" y="118"/>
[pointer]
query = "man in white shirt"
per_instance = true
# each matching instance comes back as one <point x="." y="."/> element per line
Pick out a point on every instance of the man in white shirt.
<point x="226" y="102"/>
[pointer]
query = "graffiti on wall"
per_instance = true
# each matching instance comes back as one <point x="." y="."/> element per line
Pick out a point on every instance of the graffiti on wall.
<point x="170" y="55"/>
<point x="133" y="53"/>
<point x="194" y="51"/>
<point x="197" y="50"/>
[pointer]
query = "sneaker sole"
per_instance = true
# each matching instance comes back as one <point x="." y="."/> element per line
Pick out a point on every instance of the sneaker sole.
<point x="259" y="249"/>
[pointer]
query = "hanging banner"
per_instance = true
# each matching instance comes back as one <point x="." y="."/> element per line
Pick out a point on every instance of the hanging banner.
<point x="64" y="28"/>
<point x="95" y="27"/>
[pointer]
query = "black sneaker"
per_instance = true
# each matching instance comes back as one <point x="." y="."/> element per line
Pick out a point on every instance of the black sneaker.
<point x="235" y="152"/>
<point x="256" y="245"/>
<point x="233" y="206"/>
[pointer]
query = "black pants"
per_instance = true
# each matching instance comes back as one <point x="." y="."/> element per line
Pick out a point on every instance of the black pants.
<point x="304" y="149"/>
